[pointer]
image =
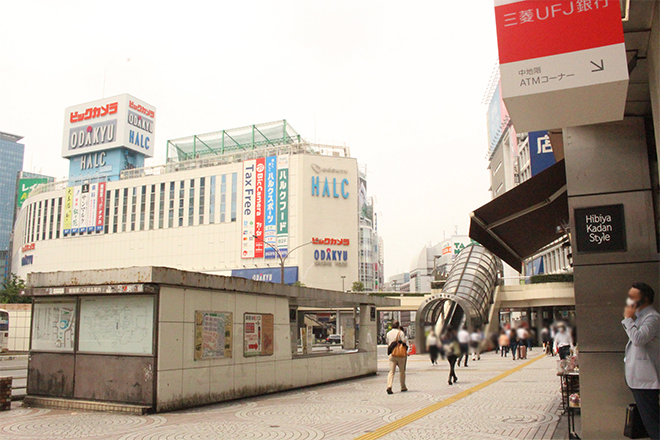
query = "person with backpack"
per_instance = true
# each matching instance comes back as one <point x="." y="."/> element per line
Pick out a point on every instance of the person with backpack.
<point x="397" y="350"/>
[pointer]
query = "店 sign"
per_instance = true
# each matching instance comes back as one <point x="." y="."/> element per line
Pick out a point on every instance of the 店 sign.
<point x="562" y="63"/>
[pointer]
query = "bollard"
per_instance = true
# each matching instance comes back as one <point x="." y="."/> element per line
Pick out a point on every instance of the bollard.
<point x="5" y="393"/>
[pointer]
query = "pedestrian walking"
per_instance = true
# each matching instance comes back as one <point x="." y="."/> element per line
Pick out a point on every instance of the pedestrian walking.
<point x="452" y="351"/>
<point x="563" y="342"/>
<point x="503" y="342"/>
<point x="545" y="338"/>
<point x="476" y="337"/>
<point x="464" y="343"/>
<point x="522" y="335"/>
<point x="642" y="325"/>
<point x="397" y="349"/>
<point x="513" y="343"/>
<point x="432" y="347"/>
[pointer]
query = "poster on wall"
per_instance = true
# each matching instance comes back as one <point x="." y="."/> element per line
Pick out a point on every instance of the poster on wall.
<point x="83" y="216"/>
<point x="53" y="325"/>
<point x="213" y="335"/>
<point x="248" y="208"/>
<point x="93" y="201"/>
<point x="259" y="332"/>
<point x="75" y="209"/>
<point x="283" y="205"/>
<point x="270" y="217"/>
<point x="100" y="207"/>
<point x="259" y="208"/>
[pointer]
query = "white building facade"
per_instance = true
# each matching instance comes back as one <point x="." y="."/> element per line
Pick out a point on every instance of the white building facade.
<point x="222" y="214"/>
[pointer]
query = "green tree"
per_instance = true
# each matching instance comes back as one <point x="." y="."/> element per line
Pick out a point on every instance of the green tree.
<point x="299" y="284"/>
<point x="10" y="293"/>
<point x="358" y="286"/>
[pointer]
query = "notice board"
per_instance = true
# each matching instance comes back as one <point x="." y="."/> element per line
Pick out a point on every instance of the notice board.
<point x="213" y="335"/>
<point x="53" y="325"/>
<point x="259" y="334"/>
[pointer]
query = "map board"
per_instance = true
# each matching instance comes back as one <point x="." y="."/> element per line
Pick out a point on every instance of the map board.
<point x="213" y="335"/>
<point x="259" y="332"/>
<point x="118" y="324"/>
<point x="53" y="325"/>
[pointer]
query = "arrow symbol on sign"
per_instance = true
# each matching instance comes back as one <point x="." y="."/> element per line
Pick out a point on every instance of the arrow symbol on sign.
<point x="599" y="68"/>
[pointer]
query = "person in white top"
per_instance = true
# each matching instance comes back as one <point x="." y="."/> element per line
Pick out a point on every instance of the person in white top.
<point x="522" y="342"/>
<point x="463" y="341"/>
<point x="475" y="344"/>
<point x="432" y="347"/>
<point x="563" y="342"/>
<point x="396" y="334"/>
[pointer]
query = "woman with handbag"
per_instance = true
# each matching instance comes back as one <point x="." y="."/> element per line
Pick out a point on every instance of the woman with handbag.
<point x="397" y="349"/>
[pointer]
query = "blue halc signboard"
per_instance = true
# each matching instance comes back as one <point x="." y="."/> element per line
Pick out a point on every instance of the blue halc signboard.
<point x="540" y="151"/>
<point x="269" y="274"/>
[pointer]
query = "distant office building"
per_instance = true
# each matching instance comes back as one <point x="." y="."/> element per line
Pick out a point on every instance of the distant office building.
<point x="370" y="271"/>
<point x="398" y="283"/>
<point x="12" y="153"/>
<point x="434" y="262"/>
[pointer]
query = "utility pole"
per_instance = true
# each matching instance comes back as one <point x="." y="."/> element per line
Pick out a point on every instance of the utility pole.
<point x="279" y="255"/>
<point x="343" y="277"/>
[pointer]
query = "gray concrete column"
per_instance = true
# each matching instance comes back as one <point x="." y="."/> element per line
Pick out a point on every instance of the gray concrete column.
<point x="368" y="328"/>
<point x="607" y="164"/>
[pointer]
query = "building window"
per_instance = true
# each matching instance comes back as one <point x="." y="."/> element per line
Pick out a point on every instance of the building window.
<point x="499" y="188"/>
<point x="38" y="221"/>
<point x="191" y="202"/>
<point x="115" y="211"/>
<point x="182" y="194"/>
<point x="133" y="208"/>
<point x="234" y="184"/>
<point x="497" y="168"/>
<point x="161" y="206"/>
<point x="170" y="221"/>
<point x="223" y="197"/>
<point x="45" y="221"/>
<point x="212" y="201"/>
<point x="202" y="188"/>
<point x="143" y="205"/>
<point x="106" y="224"/>
<point x="152" y="206"/>
<point x="124" y="209"/>
<point x="59" y="217"/>
<point x="51" y="220"/>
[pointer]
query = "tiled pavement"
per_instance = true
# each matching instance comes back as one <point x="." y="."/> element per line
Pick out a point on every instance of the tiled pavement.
<point x="523" y="405"/>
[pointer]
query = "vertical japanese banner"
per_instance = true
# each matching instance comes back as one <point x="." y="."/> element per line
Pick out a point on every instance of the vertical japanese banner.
<point x="68" y="207"/>
<point x="259" y="206"/>
<point x="75" y="209"/>
<point x="283" y="205"/>
<point x="83" y="211"/>
<point x="249" y="177"/>
<point x="270" y="218"/>
<point x="93" y="201"/>
<point x="100" y="208"/>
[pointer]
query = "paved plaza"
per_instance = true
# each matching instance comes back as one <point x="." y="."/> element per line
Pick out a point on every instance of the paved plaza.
<point x="495" y="398"/>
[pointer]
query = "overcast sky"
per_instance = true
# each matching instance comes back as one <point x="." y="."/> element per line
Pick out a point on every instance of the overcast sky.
<point x="400" y="83"/>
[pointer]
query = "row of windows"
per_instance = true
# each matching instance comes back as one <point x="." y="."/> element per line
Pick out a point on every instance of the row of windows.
<point x="146" y="207"/>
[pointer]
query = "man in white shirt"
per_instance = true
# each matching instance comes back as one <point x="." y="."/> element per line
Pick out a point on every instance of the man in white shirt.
<point x="563" y="342"/>
<point x="642" y="325"/>
<point x="464" y="342"/>
<point x="396" y="334"/>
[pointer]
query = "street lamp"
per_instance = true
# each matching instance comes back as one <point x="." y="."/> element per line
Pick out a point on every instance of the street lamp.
<point x="279" y="255"/>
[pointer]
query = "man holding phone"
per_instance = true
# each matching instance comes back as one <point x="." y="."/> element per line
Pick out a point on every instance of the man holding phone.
<point x="642" y="324"/>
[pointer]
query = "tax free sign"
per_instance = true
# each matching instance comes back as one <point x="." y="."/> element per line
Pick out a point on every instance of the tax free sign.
<point x="562" y="62"/>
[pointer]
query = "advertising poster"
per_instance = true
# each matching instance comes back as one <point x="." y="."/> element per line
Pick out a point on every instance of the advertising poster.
<point x="270" y="217"/>
<point x="83" y="216"/>
<point x="259" y="331"/>
<point x="68" y="208"/>
<point x="100" y="207"/>
<point x="213" y="335"/>
<point x="75" y="209"/>
<point x="283" y="205"/>
<point x="249" y="184"/>
<point x="93" y="200"/>
<point x="25" y="186"/>
<point x="259" y="206"/>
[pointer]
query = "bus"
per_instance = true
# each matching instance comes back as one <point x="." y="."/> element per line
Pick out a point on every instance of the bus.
<point x="4" y="330"/>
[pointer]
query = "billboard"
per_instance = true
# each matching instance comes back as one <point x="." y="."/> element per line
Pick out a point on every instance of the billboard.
<point x="25" y="186"/>
<point x="270" y="217"/>
<point x="268" y="274"/>
<point x="259" y="208"/>
<point x="562" y="63"/>
<point x="118" y="121"/>
<point x="540" y="151"/>
<point x="247" y="239"/>
<point x="84" y="209"/>
<point x="283" y="205"/>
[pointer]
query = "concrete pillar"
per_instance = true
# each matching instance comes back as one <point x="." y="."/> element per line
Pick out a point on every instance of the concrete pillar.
<point x="607" y="164"/>
<point x="293" y="325"/>
<point x="368" y="328"/>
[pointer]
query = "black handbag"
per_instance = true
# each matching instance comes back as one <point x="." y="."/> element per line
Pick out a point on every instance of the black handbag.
<point x="634" y="425"/>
